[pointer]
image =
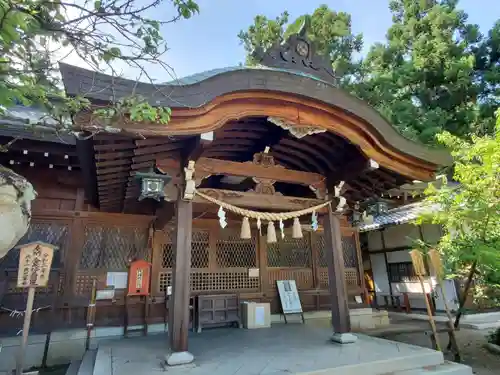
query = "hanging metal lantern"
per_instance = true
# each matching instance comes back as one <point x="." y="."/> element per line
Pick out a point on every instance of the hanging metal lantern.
<point x="152" y="185"/>
<point x="355" y="216"/>
<point x="381" y="207"/>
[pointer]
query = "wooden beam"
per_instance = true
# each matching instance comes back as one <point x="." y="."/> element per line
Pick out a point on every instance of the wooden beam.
<point x="312" y="150"/>
<point x="289" y="160"/>
<point x="255" y="200"/>
<point x="153" y="157"/>
<point x="111" y="147"/>
<point x="112" y="163"/>
<point x="116" y="181"/>
<point x="114" y="155"/>
<point x="301" y="155"/>
<point x="144" y="165"/>
<point x="233" y="141"/>
<point x="166" y="147"/>
<point x="335" y="262"/>
<point x="87" y="163"/>
<point x="230" y="134"/>
<point x="112" y="176"/>
<point x="154" y="141"/>
<point x="194" y="148"/>
<point x="207" y="166"/>
<point x="230" y="154"/>
<point x="113" y="170"/>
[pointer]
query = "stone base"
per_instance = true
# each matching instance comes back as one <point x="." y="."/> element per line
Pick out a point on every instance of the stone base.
<point x="344" y="338"/>
<point x="179" y="358"/>
<point x="361" y="319"/>
<point x="367" y="318"/>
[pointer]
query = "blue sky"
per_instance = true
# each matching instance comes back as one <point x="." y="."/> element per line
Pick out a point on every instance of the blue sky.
<point x="209" y="40"/>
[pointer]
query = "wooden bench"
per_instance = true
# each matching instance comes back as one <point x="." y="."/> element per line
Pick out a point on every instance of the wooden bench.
<point x="391" y="300"/>
<point x="218" y="310"/>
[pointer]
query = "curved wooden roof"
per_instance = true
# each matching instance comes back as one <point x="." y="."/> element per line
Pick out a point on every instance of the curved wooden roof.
<point x="242" y="106"/>
<point x="296" y="98"/>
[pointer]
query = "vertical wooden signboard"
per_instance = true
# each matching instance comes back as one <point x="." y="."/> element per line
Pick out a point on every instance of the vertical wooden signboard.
<point x="289" y="298"/>
<point x="417" y="258"/>
<point x="35" y="260"/>
<point x="437" y="265"/>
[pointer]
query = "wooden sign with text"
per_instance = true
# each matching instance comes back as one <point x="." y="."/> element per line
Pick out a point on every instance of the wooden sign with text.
<point x="289" y="297"/>
<point x="35" y="260"/>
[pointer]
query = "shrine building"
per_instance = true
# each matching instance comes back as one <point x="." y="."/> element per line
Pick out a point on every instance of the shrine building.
<point x="255" y="179"/>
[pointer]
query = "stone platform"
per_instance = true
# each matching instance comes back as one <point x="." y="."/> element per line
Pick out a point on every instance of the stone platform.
<point x="282" y="349"/>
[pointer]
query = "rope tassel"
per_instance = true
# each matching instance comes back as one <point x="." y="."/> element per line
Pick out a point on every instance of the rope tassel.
<point x="296" y="229"/>
<point x="271" y="233"/>
<point x="245" y="234"/>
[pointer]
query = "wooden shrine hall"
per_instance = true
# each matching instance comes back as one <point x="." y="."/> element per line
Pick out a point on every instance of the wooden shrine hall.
<point x="260" y="169"/>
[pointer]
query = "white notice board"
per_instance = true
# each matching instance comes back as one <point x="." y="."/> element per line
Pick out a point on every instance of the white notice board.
<point x="289" y="297"/>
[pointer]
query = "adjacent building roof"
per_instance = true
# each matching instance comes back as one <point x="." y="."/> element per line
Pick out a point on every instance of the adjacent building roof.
<point x="32" y="123"/>
<point x="400" y="215"/>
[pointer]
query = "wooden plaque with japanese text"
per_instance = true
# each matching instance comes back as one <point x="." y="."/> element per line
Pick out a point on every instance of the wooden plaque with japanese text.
<point x="35" y="260"/>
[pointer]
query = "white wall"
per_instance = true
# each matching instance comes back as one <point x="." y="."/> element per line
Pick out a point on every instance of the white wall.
<point x="399" y="236"/>
<point x="380" y="279"/>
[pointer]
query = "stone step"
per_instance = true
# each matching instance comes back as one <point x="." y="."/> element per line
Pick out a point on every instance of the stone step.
<point x="389" y="365"/>
<point x="73" y="367"/>
<point x="447" y="368"/>
<point x="88" y="361"/>
<point x="103" y="362"/>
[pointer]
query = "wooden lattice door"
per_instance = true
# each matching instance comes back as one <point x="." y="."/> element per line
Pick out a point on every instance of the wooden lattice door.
<point x="350" y="253"/>
<point x="220" y="261"/>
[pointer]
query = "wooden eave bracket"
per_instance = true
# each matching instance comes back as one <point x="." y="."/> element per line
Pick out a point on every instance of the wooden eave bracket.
<point x="342" y="201"/>
<point x="190" y="187"/>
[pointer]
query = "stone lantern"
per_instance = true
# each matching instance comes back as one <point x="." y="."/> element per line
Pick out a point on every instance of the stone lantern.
<point x="16" y="194"/>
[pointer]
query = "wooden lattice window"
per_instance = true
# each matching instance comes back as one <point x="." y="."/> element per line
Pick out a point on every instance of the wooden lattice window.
<point x="164" y="280"/>
<point x="349" y="251"/>
<point x="351" y="277"/>
<point x="402" y="272"/>
<point x="205" y="281"/>
<point x="232" y="251"/>
<point x="112" y="248"/>
<point x="54" y="233"/>
<point x="167" y="250"/>
<point x="83" y="283"/>
<point x="200" y="243"/>
<point x="290" y="252"/>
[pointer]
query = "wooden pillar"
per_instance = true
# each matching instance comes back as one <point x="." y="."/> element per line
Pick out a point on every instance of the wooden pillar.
<point x="262" y="263"/>
<point x="179" y="301"/>
<point x="336" y="278"/>
<point x="313" y="240"/>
